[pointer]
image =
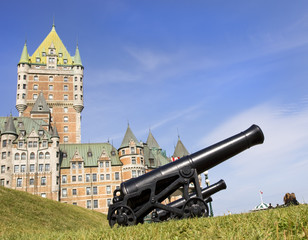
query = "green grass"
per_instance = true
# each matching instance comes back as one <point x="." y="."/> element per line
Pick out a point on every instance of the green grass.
<point x="24" y="216"/>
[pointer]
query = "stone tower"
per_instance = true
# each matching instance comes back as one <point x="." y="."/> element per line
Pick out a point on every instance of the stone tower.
<point x="53" y="74"/>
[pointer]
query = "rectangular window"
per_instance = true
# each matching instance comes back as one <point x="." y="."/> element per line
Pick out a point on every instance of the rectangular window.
<point x="35" y="78"/>
<point x="50" y="77"/>
<point x="65" y="128"/>
<point x="43" y="181"/>
<point x="16" y="168"/>
<point x="43" y="195"/>
<point x="50" y="87"/>
<point x="31" y="167"/>
<point x="4" y="143"/>
<point x="23" y="168"/>
<point x="133" y="160"/>
<point x="116" y="176"/>
<point x="101" y="164"/>
<point x="94" y="177"/>
<point x="35" y="87"/>
<point x="65" y="97"/>
<point x="65" y="138"/>
<point x="76" y="87"/>
<point x="41" y="167"/>
<point x="65" y="79"/>
<point x="94" y="190"/>
<point x="65" y="109"/>
<point x="65" y="88"/>
<point x="19" y="182"/>
<point x="102" y="177"/>
<point x="50" y="97"/>
<point x="24" y="86"/>
<point x="2" y="182"/>
<point x="64" y="178"/>
<point x="107" y="164"/>
<point x="31" y="181"/>
<point x="44" y="144"/>
<point x="65" y="118"/>
<point x="73" y="165"/>
<point x="3" y="155"/>
<point x="87" y="177"/>
<point x="2" y="168"/>
<point x="108" y="202"/>
<point x="95" y="204"/>
<point x="35" y="144"/>
<point x="108" y="189"/>
<point x="88" y="190"/>
<point x="107" y="176"/>
<point x="64" y="192"/>
<point x="47" y="167"/>
<point x="74" y="191"/>
<point x="134" y="173"/>
<point x="34" y="96"/>
<point x="79" y="178"/>
<point x="73" y="178"/>
<point x="88" y="203"/>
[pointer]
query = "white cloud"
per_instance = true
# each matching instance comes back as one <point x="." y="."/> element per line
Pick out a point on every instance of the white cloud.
<point x="277" y="166"/>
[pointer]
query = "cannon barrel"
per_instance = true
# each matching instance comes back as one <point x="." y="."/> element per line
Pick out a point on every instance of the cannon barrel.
<point x="206" y="193"/>
<point x="201" y="160"/>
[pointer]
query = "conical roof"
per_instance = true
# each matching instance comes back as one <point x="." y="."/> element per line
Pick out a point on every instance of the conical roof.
<point x="180" y="150"/>
<point x="54" y="132"/>
<point x="52" y="40"/>
<point x="24" y="55"/>
<point x="151" y="141"/>
<point x="40" y="105"/>
<point x="77" y="59"/>
<point x="128" y="137"/>
<point x="9" y="127"/>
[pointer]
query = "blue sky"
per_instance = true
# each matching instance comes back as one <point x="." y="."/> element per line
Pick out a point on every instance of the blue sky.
<point x="205" y="70"/>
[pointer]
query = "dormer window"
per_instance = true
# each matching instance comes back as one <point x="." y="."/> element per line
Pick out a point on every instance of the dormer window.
<point x="65" y="61"/>
<point x="60" y="54"/>
<point x="43" y="54"/>
<point x="23" y="132"/>
<point x="40" y="107"/>
<point x="64" y="155"/>
<point x="51" y="51"/>
<point x="89" y="154"/>
<point x="113" y="153"/>
<point x="38" y="59"/>
<point x="41" y="132"/>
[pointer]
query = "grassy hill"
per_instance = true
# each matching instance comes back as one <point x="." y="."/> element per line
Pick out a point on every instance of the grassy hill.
<point x="24" y="216"/>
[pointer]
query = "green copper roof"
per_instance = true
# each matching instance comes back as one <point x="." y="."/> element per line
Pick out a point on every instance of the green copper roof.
<point x="77" y="59"/>
<point x="128" y="137"/>
<point x="83" y="148"/>
<point x="9" y="127"/>
<point x="151" y="141"/>
<point x="23" y="124"/>
<point x="40" y="105"/>
<point x="24" y="55"/>
<point x="157" y="157"/>
<point x="180" y="150"/>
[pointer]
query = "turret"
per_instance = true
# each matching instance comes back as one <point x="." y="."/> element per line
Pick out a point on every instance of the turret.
<point x="22" y="80"/>
<point x="78" y="82"/>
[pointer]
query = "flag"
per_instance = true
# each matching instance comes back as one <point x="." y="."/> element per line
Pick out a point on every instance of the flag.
<point x="261" y="192"/>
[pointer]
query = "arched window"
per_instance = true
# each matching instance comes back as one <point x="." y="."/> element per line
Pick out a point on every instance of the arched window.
<point x="23" y="156"/>
<point x="16" y="156"/>
<point x="41" y="155"/>
<point x="47" y="155"/>
<point x="32" y="155"/>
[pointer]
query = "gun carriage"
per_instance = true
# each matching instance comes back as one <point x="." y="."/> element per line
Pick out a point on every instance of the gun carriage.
<point x="140" y="196"/>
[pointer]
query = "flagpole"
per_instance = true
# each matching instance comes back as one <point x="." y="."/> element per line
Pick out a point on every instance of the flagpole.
<point x="261" y="196"/>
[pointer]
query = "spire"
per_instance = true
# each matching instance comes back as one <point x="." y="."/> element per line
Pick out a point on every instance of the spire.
<point x="151" y="141"/>
<point x="180" y="149"/>
<point x="77" y="59"/>
<point x="54" y="132"/>
<point x="9" y="127"/>
<point x="24" y="55"/>
<point x="40" y="105"/>
<point x="128" y="137"/>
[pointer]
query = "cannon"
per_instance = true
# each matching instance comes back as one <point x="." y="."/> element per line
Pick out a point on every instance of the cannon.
<point x="138" y="197"/>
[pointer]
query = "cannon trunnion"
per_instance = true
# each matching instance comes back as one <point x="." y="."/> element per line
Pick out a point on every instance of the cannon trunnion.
<point x="140" y="196"/>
